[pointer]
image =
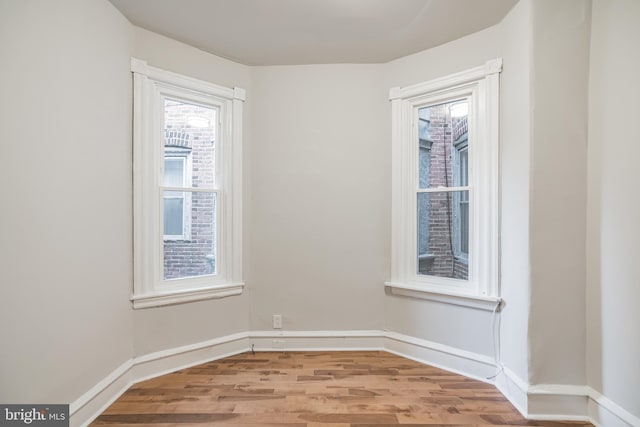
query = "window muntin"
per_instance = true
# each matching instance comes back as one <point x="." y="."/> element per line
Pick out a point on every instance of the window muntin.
<point x="422" y="188"/>
<point x="187" y="188"/>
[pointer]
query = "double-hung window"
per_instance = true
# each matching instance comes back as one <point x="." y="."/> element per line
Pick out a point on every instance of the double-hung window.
<point x="445" y="187"/>
<point x="187" y="188"/>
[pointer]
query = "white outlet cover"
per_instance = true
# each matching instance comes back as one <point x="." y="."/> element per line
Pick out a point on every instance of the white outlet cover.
<point x="277" y="321"/>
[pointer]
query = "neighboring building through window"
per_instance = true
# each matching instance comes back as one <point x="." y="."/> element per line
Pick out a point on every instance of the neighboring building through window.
<point x="187" y="188"/>
<point x="460" y="154"/>
<point x="445" y="178"/>
<point x="425" y="256"/>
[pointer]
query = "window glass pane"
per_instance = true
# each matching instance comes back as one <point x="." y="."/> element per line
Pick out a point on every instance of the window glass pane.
<point x="194" y="254"/>
<point x="423" y="225"/>
<point x="190" y="133"/>
<point x="443" y="234"/>
<point x="173" y="213"/>
<point x="174" y="172"/>
<point x="442" y="129"/>
<point x="463" y="166"/>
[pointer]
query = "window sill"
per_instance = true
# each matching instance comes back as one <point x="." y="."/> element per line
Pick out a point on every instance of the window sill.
<point x="456" y="298"/>
<point x="425" y="257"/>
<point x="462" y="259"/>
<point x="179" y="297"/>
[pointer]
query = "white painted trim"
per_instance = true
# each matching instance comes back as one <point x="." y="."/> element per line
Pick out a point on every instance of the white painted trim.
<point x="514" y="389"/>
<point x="140" y="66"/>
<point x="97" y="399"/>
<point x="171" y="360"/>
<point x="445" y="296"/>
<point x="600" y="401"/>
<point x="476" y="357"/>
<point x="559" y="417"/>
<point x="239" y="93"/>
<point x="157" y="300"/>
<point x="317" y="340"/>
<point x="563" y="402"/>
<point x="558" y="389"/>
<point x="316" y="334"/>
<point x="470" y="364"/>
<point x="491" y="67"/>
<point x="559" y="399"/>
<point x="90" y="402"/>
<point x="163" y="354"/>
<point x="577" y="403"/>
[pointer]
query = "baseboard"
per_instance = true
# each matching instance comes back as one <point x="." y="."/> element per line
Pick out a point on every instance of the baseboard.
<point x="92" y="403"/>
<point x="462" y="362"/>
<point x="514" y="389"/>
<point x="316" y="340"/>
<point x="604" y="412"/>
<point x="543" y="402"/>
<point x="167" y="361"/>
<point x="473" y="365"/>
<point x="558" y="402"/>
<point x="561" y="402"/>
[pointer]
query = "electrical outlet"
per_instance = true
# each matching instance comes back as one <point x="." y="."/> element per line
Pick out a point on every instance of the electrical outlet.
<point x="277" y="321"/>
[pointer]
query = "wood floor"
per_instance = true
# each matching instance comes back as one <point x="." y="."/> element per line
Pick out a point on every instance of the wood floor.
<point x="308" y="389"/>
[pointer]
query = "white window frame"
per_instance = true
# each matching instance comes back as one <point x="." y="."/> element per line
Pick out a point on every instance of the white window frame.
<point x="151" y="86"/>
<point x="480" y="85"/>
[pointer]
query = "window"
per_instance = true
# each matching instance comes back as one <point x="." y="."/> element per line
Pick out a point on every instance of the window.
<point x="187" y="188"/>
<point x="445" y="178"/>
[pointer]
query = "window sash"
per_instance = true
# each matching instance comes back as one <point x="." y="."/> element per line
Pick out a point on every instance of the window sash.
<point x="469" y="94"/>
<point x="220" y="168"/>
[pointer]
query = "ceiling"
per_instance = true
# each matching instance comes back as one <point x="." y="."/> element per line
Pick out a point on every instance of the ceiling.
<point x="286" y="32"/>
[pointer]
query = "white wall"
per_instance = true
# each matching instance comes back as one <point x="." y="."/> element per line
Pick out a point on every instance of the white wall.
<point x="459" y="327"/>
<point x="169" y="327"/>
<point x="613" y="277"/>
<point x="458" y="55"/>
<point x="320" y="171"/>
<point x="558" y="190"/>
<point x="66" y="261"/>
<point x="515" y="159"/>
